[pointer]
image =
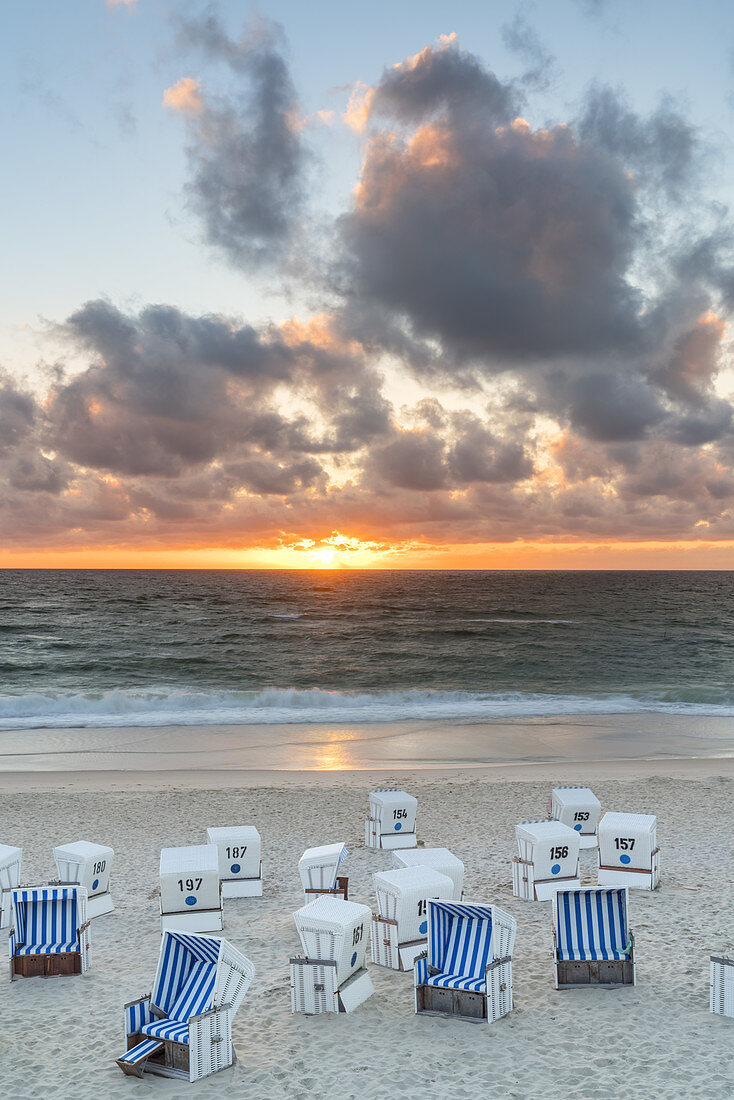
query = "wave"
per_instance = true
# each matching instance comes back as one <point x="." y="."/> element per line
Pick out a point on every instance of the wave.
<point x="172" y="706"/>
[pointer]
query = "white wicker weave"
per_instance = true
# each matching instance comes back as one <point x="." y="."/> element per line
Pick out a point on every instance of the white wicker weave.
<point x="721" y="998"/>
<point x="548" y="857"/>
<point x="240" y="866"/>
<point x="391" y="823"/>
<point x="400" y="926"/>
<point x="628" y="851"/>
<point x="439" y="859"/>
<point x="319" y="867"/>
<point x="579" y="808"/>
<point x="331" y="975"/>
<point x="11" y="861"/>
<point x="89" y="865"/>
<point x="191" y="893"/>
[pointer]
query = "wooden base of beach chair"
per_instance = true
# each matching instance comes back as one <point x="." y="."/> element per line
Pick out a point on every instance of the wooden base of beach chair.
<point x="571" y="975"/>
<point x="61" y="964"/>
<point x="206" y="920"/>
<point x="242" y="888"/>
<point x="341" y="890"/>
<point x="432" y="1000"/>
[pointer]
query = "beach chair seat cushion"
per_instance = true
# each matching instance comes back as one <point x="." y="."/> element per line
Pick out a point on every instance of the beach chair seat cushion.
<point x="468" y="949"/>
<point x="592" y="927"/>
<point x="176" y="1031"/>
<point x="458" y="981"/>
<point x="47" y="948"/>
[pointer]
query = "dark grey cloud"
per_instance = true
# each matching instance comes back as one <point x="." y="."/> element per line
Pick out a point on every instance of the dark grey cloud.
<point x="246" y="154"/>
<point x="522" y="39"/>
<point x="18" y="411"/>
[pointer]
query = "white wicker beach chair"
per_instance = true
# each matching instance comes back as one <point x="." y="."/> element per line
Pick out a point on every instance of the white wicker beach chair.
<point x="579" y="808"/>
<point x="439" y="859"/>
<point x="88" y="865"/>
<point x="50" y="932"/>
<point x="466" y="970"/>
<point x="628" y="851"/>
<point x="191" y="893"/>
<point x="391" y="823"/>
<point x="592" y="941"/>
<point x="331" y="976"/>
<point x="548" y="857"/>
<point x="184" y="1027"/>
<point x="319" y="871"/>
<point x="721" y="999"/>
<point x="400" y="926"/>
<point x="240" y="865"/>
<point x="11" y="861"/>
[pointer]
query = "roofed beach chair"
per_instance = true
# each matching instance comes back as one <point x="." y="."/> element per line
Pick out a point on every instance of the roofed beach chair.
<point x="331" y="976"/>
<point x="548" y="857"/>
<point x="184" y="1027"/>
<point x="319" y="871"/>
<point x="439" y="859"/>
<point x="50" y="932"/>
<point x="88" y="865"/>
<point x="466" y="970"/>
<point x="400" y="926"/>
<point x="240" y="865"/>
<point x="628" y="851"/>
<point x="391" y="823"/>
<point x="721" y="999"/>
<point x="191" y="893"/>
<point x="592" y="941"/>
<point x="579" y="808"/>
<point x="11" y="861"/>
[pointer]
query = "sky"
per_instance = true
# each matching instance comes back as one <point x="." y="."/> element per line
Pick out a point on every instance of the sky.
<point x="416" y="285"/>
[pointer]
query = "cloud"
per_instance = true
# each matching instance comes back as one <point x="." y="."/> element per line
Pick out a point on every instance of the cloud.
<point x="247" y="160"/>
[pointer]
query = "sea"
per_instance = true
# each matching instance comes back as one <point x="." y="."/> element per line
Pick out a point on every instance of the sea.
<point x="130" y="648"/>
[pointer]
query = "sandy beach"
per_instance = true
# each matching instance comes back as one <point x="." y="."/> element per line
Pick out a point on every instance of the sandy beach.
<point x="60" y="1036"/>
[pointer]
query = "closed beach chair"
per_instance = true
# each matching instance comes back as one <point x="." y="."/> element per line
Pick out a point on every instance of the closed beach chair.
<point x="548" y="857"/>
<point x="400" y="925"/>
<point x="438" y="859"/>
<point x="579" y="808"/>
<point x="319" y="871"/>
<point x="391" y="823"/>
<point x="628" y="851"/>
<point x="721" y="999"/>
<point x="49" y="933"/>
<point x="466" y="970"/>
<point x="87" y="865"/>
<point x="592" y="941"/>
<point x="183" y="1028"/>
<point x="11" y="861"/>
<point x="191" y="893"/>
<point x="331" y="976"/>
<point x="240" y="865"/>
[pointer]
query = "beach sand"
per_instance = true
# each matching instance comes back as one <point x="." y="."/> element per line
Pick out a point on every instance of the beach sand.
<point x="60" y="1036"/>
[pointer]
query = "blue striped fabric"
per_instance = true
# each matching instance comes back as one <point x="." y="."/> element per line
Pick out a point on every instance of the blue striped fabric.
<point x="45" y="915"/>
<point x="175" y="1031"/>
<point x="141" y="1051"/>
<point x="456" y="981"/>
<point x="459" y="945"/>
<point x="196" y="993"/>
<point x="136" y="1016"/>
<point x="468" y="949"/>
<point x="179" y="953"/>
<point x="421" y="971"/>
<point x="47" y="948"/>
<point x="591" y="924"/>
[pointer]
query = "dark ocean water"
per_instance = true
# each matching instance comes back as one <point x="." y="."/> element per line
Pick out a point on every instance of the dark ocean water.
<point x="149" y="647"/>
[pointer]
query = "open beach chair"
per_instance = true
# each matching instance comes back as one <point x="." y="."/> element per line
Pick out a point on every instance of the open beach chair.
<point x="50" y="932"/>
<point x="547" y="857"/>
<point x="191" y="893"/>
<point x="400" y="925"/>
<point x="240" y="866"/>
<point x="466" y="970"/>
<point x="592" y="941"/>
<point x="579" y="808"/>
<point x="391" y="823"/>
<point x="439" y="859"/>
<point x="11" y="861"/>
<point x="331" y="976"/>
<point x="628" y="851"/>
<point x="319" y="871"/>
<point x="183" y="1028"/>
<point x="87" y="865"/>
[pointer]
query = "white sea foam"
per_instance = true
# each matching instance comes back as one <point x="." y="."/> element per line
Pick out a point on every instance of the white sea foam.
<point x="171" y="706"/>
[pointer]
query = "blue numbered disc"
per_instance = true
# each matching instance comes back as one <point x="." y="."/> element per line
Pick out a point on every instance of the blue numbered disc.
<point x="578" y="828"/>
<point x="354" y="959"/>
<point x="624" y="859"/>
<point x="555" y="868"/>
<point x="398" y="826"/>
<point x="235" y="868"/>
<point x="191" y="900"/>
<point x="95" y="884"/>
<point x="423" y="927"/>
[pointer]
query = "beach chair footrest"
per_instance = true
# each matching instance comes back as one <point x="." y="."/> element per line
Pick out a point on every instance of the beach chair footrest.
<point x="133" y="1062"/>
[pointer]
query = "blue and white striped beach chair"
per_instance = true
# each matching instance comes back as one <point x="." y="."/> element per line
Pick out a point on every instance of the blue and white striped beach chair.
<point x="592" y="942"/>
<point x="49" y="935"/>
<point x="467" y="969"/>
<point x="184" y="1027"/>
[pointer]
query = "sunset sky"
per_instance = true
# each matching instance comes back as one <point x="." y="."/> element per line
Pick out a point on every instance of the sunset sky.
<point x="407" y="284"/>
